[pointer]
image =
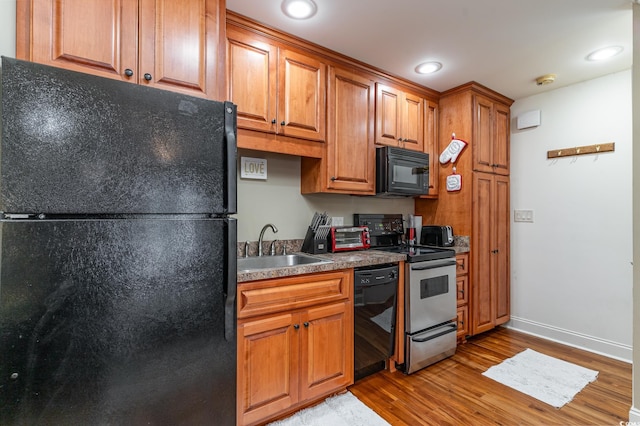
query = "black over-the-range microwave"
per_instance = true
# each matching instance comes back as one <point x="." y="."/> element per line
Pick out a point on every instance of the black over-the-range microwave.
<point x="401" y="172"/>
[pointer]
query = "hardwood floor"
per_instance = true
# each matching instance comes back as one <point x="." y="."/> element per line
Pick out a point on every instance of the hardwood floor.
<point x="454" y="392"/>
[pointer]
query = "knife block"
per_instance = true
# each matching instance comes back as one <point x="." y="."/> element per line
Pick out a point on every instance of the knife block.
<point x="312" y="245"/>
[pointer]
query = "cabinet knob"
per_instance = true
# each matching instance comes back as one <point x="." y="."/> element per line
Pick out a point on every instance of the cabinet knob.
<point x="273" y="121"/>
<point x="283" y="123"/>
<point x="128" y="72"/>
<point x="333" y="178"/>
<point x="306" y="324"/>
<point x="296" y="326"/>
<point x="494" y="251"/>
<point x="147" y="76"/>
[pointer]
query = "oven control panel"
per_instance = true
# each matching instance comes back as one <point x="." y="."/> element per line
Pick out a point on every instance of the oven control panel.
<point x="380" y="224"/>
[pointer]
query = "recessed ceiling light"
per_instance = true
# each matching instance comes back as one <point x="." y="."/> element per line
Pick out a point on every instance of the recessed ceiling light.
<point x="428" y="67"/>
<point x="605" y="53"/>
<point x="299" y="9"/>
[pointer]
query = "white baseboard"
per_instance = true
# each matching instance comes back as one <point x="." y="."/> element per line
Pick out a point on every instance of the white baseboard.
<point x="634" y="415"/>
<point x="571" y="338"/>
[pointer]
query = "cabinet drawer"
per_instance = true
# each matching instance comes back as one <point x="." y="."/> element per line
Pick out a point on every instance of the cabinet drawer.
<point x="462" y="263"/>
<point x="276" y="295"/>
<point x="462" y="322"/>
<point x="462" y="289"/>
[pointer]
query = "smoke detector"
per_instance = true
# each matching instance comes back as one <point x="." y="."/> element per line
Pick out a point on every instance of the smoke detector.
<point x="545" y="79"/>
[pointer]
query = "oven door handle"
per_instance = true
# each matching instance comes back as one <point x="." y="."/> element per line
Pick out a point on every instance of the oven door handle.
<point x="450" y="328"/>
<point x="430" y="265"/>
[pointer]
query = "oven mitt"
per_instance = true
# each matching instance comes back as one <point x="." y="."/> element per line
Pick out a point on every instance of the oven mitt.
<point x="452" y="151"/>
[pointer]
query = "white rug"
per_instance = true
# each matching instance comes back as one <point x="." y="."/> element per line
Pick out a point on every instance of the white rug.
<point x="340" y="410"/>
<point x="546" y="378"/>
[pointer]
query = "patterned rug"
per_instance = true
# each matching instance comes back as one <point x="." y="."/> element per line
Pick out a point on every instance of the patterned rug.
<point x="543" y="377"/>
<point x="340" y="410"/>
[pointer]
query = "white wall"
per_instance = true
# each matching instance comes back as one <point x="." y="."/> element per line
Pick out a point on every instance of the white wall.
<point x="8" y="28"/>
<point x="278" y="200"/>
<point x="571" y="269"/>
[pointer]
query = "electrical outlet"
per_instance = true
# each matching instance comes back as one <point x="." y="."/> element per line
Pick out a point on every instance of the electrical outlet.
<point x="337" y="221"/>
<point x="523" y="216"/>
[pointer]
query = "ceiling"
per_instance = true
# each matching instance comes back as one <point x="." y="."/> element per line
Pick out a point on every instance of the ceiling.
<point x="502" y="44"/>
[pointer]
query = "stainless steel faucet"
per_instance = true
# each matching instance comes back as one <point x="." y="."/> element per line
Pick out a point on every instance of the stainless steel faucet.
<point x="264" y="228"/>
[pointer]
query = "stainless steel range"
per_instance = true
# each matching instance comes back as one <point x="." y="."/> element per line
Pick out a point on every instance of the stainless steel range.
<point x="430" y="291"/>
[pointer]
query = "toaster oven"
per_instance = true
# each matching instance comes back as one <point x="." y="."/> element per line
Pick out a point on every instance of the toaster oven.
<point x="345" y="238"/>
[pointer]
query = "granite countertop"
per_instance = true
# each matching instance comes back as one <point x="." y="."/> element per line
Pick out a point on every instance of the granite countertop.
<point x="343" y="260"/>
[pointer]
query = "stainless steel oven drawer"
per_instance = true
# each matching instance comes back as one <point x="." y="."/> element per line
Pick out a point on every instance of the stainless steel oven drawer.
<point x="429" y="346"/>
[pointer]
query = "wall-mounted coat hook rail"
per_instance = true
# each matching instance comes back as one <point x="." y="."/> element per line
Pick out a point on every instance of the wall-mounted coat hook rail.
<point x="581" y="150"/>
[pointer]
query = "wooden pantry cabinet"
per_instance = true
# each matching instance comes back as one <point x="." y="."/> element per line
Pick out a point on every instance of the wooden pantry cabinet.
<point x="175" y="45"/>
<point x="348" y="165"/>
<point x="279" y="90"/>
<point x="399" y="118"/>
<point x="490" y="253"/>
<point x="480" y="209"/>
<point x="295" y="342"/>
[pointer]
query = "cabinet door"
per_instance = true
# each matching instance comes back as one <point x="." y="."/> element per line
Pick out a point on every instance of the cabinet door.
<point x="490" y="280"/>
<point x="268" y="365"/>
<point x="180" y="46"/>
<point x="301" y="95"/>
<point x="412" y="122"/>
<point x="501" y="132"/>
<point x="431" y="144"/>
<point x="483" y="302"/>
<point x="483" y="129"/>
<point x="251" y="80"/>
<point x="93" y="36"/>
<point x="350" y="149"/>
<point x="326" y="349"/>
<point x="388" y="121"/>
<point x="501" y="274"/>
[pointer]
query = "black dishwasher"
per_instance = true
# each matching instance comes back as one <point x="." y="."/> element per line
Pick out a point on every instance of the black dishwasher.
<point x="375" y="289"/>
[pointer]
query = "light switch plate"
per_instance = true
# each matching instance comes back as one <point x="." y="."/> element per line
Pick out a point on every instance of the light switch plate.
<point x="523" y="216"/>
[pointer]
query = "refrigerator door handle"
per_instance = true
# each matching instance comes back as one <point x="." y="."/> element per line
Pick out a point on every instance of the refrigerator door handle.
<point x="230" y="122"/>
<point x="231" y="290"/>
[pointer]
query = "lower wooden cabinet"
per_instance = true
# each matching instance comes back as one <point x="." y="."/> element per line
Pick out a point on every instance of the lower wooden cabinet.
<point x="462" y="295"/>
<point x="298" y="348"/>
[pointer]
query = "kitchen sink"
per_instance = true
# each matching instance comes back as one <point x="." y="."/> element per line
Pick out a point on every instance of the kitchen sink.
<point x="268" y="262"/>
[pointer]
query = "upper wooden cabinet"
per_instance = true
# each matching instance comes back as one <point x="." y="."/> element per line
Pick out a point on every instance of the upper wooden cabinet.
<point x="490" y="136"/>
<point x="167" y="44"/>
<point x="277" y="90"/>
<point x="348" y="165"/>
<point x="399" y="118"/>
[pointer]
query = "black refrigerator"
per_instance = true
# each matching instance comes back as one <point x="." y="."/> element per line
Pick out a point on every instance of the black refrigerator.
<point x="118" y="258"/>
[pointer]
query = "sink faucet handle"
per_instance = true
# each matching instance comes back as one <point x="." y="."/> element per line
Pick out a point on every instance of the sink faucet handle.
<point x="284" y="249"/>
<point x="246" y="249"/>
<point x="272" y="250"/>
